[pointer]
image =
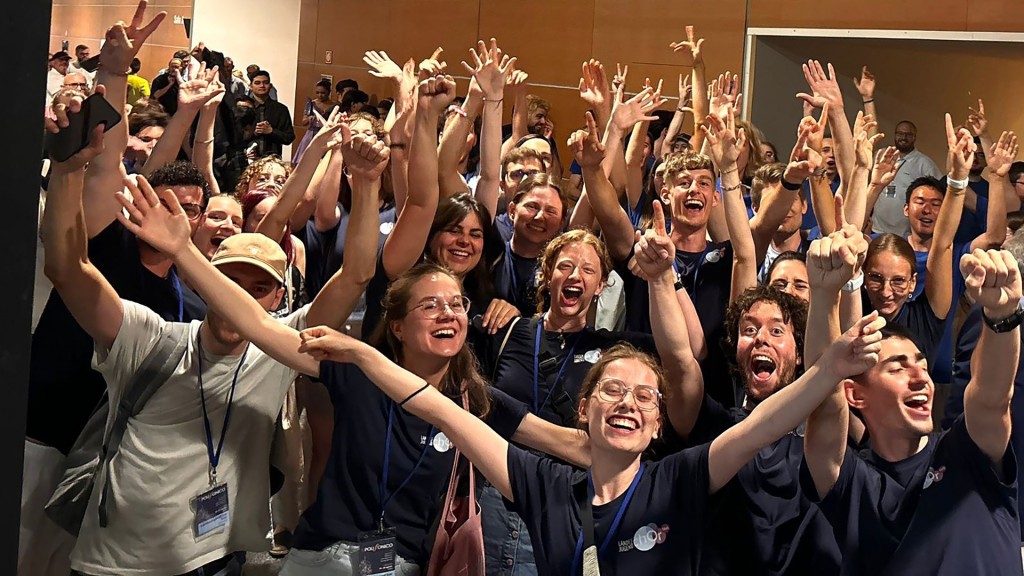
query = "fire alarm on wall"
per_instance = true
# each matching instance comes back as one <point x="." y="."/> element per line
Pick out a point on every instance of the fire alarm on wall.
<point x="328" y="56"/>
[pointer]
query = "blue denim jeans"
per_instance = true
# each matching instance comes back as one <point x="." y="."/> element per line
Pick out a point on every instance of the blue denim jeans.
<point x="335" y="560"/>
<point x="506" y="542"/>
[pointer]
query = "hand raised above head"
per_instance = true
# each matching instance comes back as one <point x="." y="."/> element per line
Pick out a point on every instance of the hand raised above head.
<point x="865" y="84"/>
<point x="691" y="45"/>
<point x="365" y="156"/>
<point x="824" y="87"/>
<point x="993" y="280"/>
<point x="586" y="145"/>
<point x="156" y="218"/>
<point x="122" y="42"/>
<point x="436" y="93"/>
<point x="490" y="68"/>
<point x="1002" y="154"/>
<point x="857" y="349"/>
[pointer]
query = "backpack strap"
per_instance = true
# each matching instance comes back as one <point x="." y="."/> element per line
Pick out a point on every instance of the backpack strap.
<point x="157" y="367"/>
<point x="501" y="350"/>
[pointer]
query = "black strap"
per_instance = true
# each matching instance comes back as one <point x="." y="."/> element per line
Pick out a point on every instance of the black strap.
<point x="151" y="374"/>
<point x="582" y="494"/>
<point x="561" y="403"/>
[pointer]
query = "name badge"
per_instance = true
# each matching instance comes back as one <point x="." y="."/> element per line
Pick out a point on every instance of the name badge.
<point x="376" y="553"/>
<point x="890" y="191"/>
<point x="211" y="511"/>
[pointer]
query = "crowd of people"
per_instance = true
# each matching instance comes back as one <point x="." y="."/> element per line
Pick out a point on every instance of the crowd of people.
<point x="417" y="349"/>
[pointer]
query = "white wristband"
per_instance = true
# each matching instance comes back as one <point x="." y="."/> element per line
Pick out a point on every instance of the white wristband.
<point x="854" y="284"/>
<point x="956" y="184"/>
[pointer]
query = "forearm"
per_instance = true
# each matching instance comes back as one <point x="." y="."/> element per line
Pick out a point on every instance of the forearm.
<point x="673" y="343"/>
<point x="824" y="202"/>
<point x="874" y="192"/>
<point x="277" y="222"/>
<point x="102" y="180"/>
<point x="569" y="444"/>
<point x="614" y="164"/>
<point x="487" y="189"/>
<point x="404" y="245"/>
<point x="634" y="165"/>
<point x="988" y="395"/>
<point x="995" y="220"/>
<point x="673" y="130"/>
<point x="842" y="138"/>
<point x="939" y="287"/>
<point x="700" y="106"/>
<point x="775" y="205"/>
<point x="583" y="214"/>
<point x="855" y="205"/>
<point x="327" y="213"/>
<point x="614" y="221"/>
<point x="202" y="150"/>
<point x="167" y="148"/>
<point x="744" y="262"/>
<point x="871" y="110"/>
<point x="453" y="141"/>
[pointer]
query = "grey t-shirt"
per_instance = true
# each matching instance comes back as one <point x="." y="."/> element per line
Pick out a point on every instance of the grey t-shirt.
<point x="888" y="215"/>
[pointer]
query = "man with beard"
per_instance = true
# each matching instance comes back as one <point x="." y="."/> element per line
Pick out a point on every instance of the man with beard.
<point x="889" y="215"/>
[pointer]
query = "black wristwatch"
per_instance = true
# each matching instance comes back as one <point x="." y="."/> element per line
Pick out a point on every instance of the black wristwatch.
<point x="1005" y="324"/>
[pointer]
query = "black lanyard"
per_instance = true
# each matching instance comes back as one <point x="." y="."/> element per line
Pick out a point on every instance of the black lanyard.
<point x="214" y="455"/>
<point x="384" y="497"/>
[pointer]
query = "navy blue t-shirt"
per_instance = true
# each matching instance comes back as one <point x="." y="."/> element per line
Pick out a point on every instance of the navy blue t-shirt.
<point x="325" y="250"/>
<point x="63" y="388"/>
<point x="572" y="354"/>
<point x="661" y="531"/>
<point x="917" y="317"/>
<point x="349" y="497"/>
<point x="972" y="224"/>
<point x="764" y="525"/>
<point x="503" y="224"/>
<point x="946" y="511"/>
<point x="515" y="280"/>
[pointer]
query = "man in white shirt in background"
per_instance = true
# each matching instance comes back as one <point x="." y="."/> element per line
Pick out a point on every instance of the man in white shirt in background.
<point x="888" y="215"/>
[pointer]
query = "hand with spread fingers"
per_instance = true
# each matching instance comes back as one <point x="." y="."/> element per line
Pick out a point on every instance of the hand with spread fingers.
<point x="725" y="93"/>
<point x="490" y="68"/>
<point x="1002" y="154"/>
<point x="627" y="114"/>
<point x="382" y="66"/>
<point x="886" y="166"/>
<point x="594" y="89"/>
<point x="993" y="280"/>
<point x="155" y="218"/>
<point x="725" y="140"/>
<point x="824" y="88"/>
<point x="195" y="93"/>
<point x="863" y="143"/>
<point x="865" y="84"/>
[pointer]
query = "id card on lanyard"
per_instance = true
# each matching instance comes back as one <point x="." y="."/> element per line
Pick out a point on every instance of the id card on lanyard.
<point x="377" y="547"/>
<point x="211" y="507"/>
<point x="587" y="554"/>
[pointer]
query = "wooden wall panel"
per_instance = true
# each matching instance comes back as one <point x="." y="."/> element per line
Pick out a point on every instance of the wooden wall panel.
<point x="994" y="16"/>
<point x="868" y="14"/>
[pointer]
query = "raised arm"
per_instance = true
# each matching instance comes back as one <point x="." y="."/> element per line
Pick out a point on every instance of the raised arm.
<point x="87" y="294"/>
<point x="397" y="123"/>
<point x="882" y="174"/>
<point x="692" y="45"/>
<point x="326" y="212"/>
<point x="684" y="105"/>
<point x="406" y="241"/>
<point x="857" y="191"/>
<point x="824" y="88"/>
<point x="977" y="121"/>
<point x="831" y="263"/>
<point x="202" y="149"/>
<point x="167" y="230"/>
<point x="491" y="69"/>
<point x="724" y="100"/>
<point x="993" y="280"/>
<point x="635" y="164"/>
<point x="614" y="222"/>
<point x="454" y="141"/>
<point x="192" y="96"/>
<point x="939" y="287"/>
<point x="654" y="257"/>
<point x="482" y="445"/>
<point x="866" y="87"/>
<point x="278" y="220"/>
<point x="594" y="90"/>
<point x="520" y="115"/>
<point x="122" y="43"/>
<point x="726" y="143"/>
<point x="999" y="157"/>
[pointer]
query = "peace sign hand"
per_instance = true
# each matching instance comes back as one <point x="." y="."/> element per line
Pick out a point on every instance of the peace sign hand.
<point x="961" y="150"/>
<point x="653" y="251"/>
<point x="122" y="42"/>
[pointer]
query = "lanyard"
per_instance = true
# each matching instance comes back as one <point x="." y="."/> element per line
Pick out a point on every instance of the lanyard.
<point x="536" y="366"/>
<point x="176" y="284"/>
<point x="610" y="536"/>
<point x="214" y="455"/>
<point x="384" y="500"/>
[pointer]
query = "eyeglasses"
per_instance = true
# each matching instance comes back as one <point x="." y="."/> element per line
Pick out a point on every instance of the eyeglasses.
<point x="79" y="85"/>
<point x="192" y="211"/>
<point x="877" y="282"/>
<point x="520" y="175"/>
<point x="781" y="284"/>
<point x="613" y="390"/>
<point x="433" y="307"/>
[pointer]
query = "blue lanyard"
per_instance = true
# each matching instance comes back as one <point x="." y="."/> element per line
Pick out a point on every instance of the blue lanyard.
<point x="634" y="212"/>
<point x="384" y="500"/>
<point x="176" y="284"/>
<point x="610" y="536"/>
<point x="536" y="366"/>
<point x="214" y="455"/>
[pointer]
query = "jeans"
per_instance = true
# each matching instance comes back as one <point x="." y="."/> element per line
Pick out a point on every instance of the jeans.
<point x="335" y="560"/>
<point x="506" y="542"/>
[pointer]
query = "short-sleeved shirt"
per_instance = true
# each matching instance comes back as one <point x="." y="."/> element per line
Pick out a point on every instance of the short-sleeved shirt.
<point x="63" y="388"/>
<point x="349" y="497"/>
<point x="917" y="317"/>
<point x="941" y="367"/>
<point x="515" y="280"/>
<point x="325" y="250"/>
<point x="572" y="354"/>
<point x="661" y="531"/>
<point x="888" y="215"/>
<point x="945" y="511"/>
<point x="163" y="463"/>
<point x="764" y="525"/>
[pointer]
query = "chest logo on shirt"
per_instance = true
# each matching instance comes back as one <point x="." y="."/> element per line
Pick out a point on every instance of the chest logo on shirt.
<point x="590" y="356"/>
<point x="934" y="476"/>
<point x="386" y="227"/>
<point x="714" y="256"/>
<point x="646" y="538"/>
<point x="441" y="443"/>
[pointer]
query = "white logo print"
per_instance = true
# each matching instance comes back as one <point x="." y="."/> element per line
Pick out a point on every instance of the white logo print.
<point x="646" y="538"/>
<point x="592" y="356"/>
<point x="386" y="227"/>
<point x="441" y="442"/>
<point x="934" y="476"/>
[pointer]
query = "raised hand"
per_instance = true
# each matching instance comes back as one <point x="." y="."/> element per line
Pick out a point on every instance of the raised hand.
<point x="195" y="93"/>
<point x="993" y="280"/>
<point x="326" y="344"/>
<point x="67" y="102"/>
<point x="491" y="68"/>
<point x="691" y="45"/>
<point x="382" y="66"/>
<point x="1002" y="154"/>
<point x="653" y="251"/>
<point x="824" y="87"/>
<point x="834" y="260"/>
<point x="805" y="160"/>
<point x="518" y="81"/>
<point x="815" y="129"/>
<point x="333" y="131"/>
<point x="685" y="92"/>
<point x="857" y="349"/>
<point x="155" y="218"/>
<point x="218" y="89"/>
<point x="586" y="145"/>
<point x="621" y="72"/>
<point x="976" y="119"/>
<point x="865" y="84"/>
<point x="726" y="142"/>
<point x="886" y="166"/>
<point x="432" y="66"/>
<point x="864" y="145"/>
<point x="626" y="114"/>
<point x="594" y="88"/>
<point x="961" y="146"/>
<point x="725" y="93"/>
<point x="436" y="93"/>
<point x="365" y="156"/>
<point x="122" y="42"/>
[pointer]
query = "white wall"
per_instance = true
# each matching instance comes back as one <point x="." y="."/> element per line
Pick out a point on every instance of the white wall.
<point x="263" y="32"/>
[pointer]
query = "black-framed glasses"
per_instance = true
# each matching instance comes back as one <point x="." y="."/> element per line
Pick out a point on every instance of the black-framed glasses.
<point x="433" y="307"/>
<point x="522" y="174"/>
<point x="613" y="390"/>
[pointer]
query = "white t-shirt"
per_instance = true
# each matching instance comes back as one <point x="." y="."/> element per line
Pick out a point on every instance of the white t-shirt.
<point x="163" y="463"/>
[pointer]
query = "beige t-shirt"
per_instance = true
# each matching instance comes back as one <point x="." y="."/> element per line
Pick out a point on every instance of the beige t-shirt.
<point x="163" y="463"/>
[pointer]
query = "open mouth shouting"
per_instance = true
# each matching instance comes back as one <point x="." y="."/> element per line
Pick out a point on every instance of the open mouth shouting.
<point x="571" y="295"/>
<point x="693" y="206"/>
<point x="762" y="368"/>
<point x="919" y="405"/>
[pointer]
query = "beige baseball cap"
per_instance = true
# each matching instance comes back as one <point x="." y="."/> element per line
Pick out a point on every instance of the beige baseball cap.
<point x="255" y="249"/>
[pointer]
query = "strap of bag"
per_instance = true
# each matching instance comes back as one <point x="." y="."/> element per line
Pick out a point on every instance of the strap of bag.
<point x="152" y="373"/>
<point x="589" y="563"/>
<point x="447" y="515"/>
<point x="501" y="350"/>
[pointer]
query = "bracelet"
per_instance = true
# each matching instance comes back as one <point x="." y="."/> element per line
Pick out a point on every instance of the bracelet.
<point x="398" y="146"/>
<point x="683" y="110"/>
<point x="458" y="110"/>
<point x="869" y="101"/>
<point x="957" y="185"/>
<point x="790" y="186"/>
<point x="729" y="171"/>
<point x="498" y="100"/>
<point x="210" y="141"/>
<point x="413" y="395"/>
<point x="731" y="188"/>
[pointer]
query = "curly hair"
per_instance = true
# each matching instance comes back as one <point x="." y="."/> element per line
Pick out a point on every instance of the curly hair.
<point x="794" y="313"/>
<point x="180" y="173"/>
<point x="254" y="169"/>
<point x="686" y="162"/>
<point x="550" y="255"/>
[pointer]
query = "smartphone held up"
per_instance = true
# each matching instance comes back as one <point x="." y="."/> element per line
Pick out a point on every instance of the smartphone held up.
<point x="69" y="141"/>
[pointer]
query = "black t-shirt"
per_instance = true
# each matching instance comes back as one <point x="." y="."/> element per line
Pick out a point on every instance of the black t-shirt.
<point x="764" y="524"/>
<point x="945" y="511"/>
<point x="349" y="498"/>
<point x="325" y="250"/>
<point x="917" y="317"/>
<point x="571" y="354"/>
<point x="170" y="98"/>
<point x="661" y="531"/>
<point x="707" y="278"/>
<point x="63" y="388"/>
<point x="515" y="280"/>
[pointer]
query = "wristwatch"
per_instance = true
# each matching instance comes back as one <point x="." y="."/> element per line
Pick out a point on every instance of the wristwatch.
<point x="854" y="284"/>
<point x="1005" y="324"/>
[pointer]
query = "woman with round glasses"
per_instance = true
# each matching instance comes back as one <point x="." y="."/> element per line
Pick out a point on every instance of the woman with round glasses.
<point x="626" y="515"/>
<point x="388" y="470"/>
